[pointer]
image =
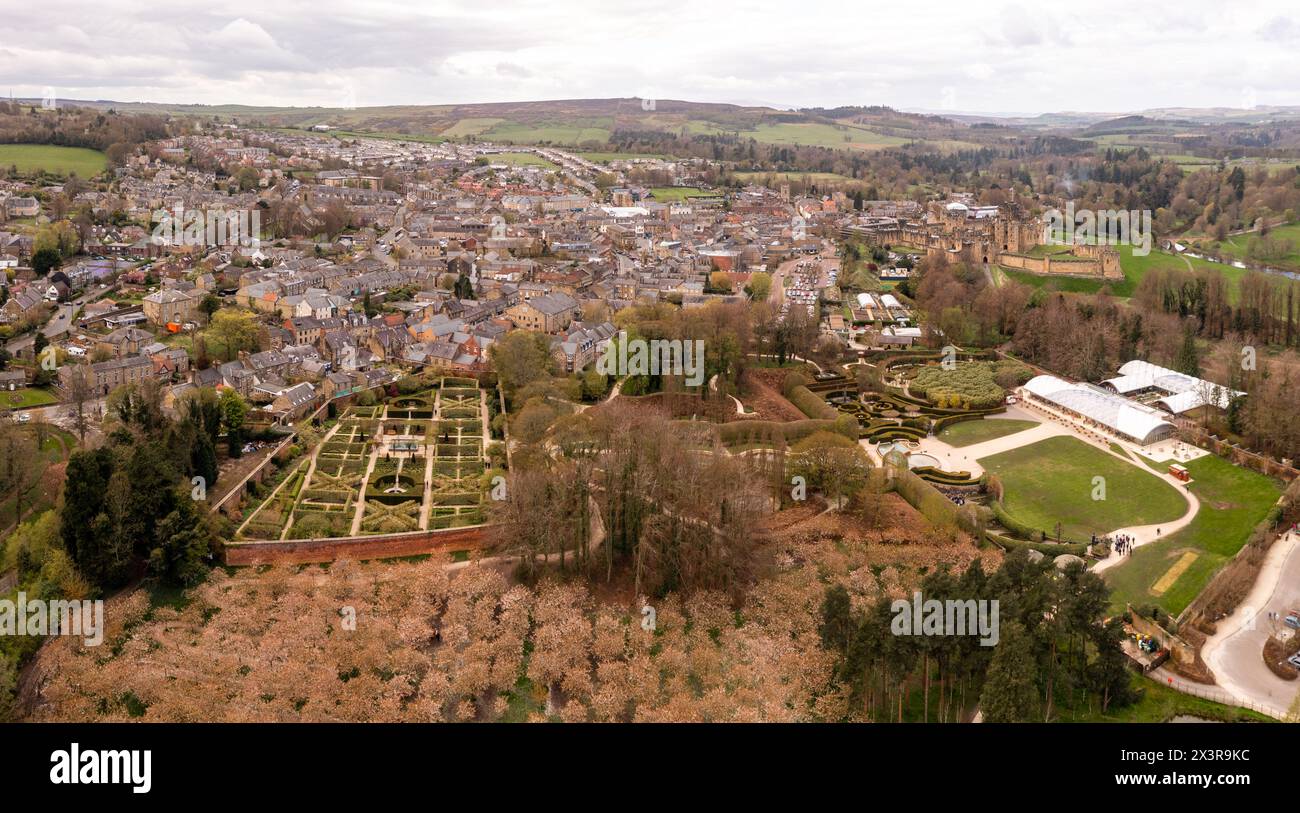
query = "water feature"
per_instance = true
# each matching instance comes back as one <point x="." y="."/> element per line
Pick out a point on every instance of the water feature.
<point x="396" y="487"/>
<point x="916" y="460"/>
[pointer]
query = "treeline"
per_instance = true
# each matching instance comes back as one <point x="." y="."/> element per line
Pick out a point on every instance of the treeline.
<point x="137" y="502"/>
<point x="1189" y="321"/>
<point x="108" y="131"/>
<point x="1266" y="309"/>
<point x="1054" y="653"/>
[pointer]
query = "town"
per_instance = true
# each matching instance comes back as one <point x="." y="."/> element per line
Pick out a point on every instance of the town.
<point x="522" y="424"/>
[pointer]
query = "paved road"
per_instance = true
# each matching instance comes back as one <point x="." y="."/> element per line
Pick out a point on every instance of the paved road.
<point x="1235" y="652"/>
<point x="61" y="322"/>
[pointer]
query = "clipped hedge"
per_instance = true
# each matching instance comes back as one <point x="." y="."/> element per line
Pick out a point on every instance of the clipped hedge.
<point x="932" y="504"/>
<point x="945" y="478"/>
<point x="1052" y="549"/>
<point x="737" y="433"/>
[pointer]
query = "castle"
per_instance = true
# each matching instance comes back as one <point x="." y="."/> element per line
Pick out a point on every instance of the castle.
<point x="1002" y="235"/>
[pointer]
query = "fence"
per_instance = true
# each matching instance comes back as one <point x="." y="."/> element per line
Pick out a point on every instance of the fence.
<point x="1220" y="696"/>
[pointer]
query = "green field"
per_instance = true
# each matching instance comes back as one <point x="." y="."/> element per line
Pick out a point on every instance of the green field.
<point x="677" y="194"/>
<point x="812" y="134"/>
<point x="41" y="494"/>
<point x="1052" y="481"/>
<point x="26" y="398"/>
<point x="567" y="132"/>
<point x="31" y="158"/>
<point x="521" y="159"/>
<point x="1134" y="267"/>
<point x="470" y="127"/>
<point x="1239" y="247"/>
<point x="967" y="433"/>
<point x="1233" y="500"/>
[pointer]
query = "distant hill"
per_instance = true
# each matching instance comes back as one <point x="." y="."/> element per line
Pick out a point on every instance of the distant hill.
<point x="1189" y="135"/>
<point x="575" y="122"/>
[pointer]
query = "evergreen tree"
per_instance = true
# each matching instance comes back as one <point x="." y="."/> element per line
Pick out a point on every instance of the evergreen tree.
<point x="184" y="542"/>
<point x="1188" y="360"/>
<point x="1010" y="694"/>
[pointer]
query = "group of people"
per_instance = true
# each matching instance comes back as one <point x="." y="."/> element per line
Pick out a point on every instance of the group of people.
<point x="957" y="497"/>
<point x="1122" y="544"/>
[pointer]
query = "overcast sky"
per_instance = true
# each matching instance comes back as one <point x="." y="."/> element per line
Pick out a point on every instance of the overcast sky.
<point x="978" y="55"/>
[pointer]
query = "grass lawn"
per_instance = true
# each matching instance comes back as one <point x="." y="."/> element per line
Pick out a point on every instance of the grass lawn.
<point x="30" y="158"/>
<point x="1233" y="501"/>
<point x="1160" y="704"/>
<point x="675" y="194"/>
<point x="520" y="159"/>
<point x="813" y="134"/>
<point x="1135" y="268"/>
<point x="1052" y="481"/>
<point x="26" y="398"/>
<point x="471" y="127"/>
<point x="1238" y="247"/>
<point x="598" y="128"/>
<point x="967" y="433"/>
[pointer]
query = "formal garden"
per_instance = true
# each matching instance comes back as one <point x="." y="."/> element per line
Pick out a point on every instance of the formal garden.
<point x="415" y="462"/>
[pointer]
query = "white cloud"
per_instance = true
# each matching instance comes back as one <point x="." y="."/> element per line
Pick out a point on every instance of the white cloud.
<point x="993" y="55"/>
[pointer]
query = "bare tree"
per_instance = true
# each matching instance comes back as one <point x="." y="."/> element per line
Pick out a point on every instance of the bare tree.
<point x="80" y="390"/>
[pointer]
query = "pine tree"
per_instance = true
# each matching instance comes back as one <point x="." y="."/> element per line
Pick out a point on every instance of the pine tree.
<point x="1188" y="361"/>
<point x="1010" y="694"/>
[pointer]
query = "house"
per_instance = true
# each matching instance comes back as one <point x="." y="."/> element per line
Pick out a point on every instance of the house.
<point x="26" y="304"/>
<point x="109" y="375"/>
<point x="126" y="341"/>
<point x="550" y="313"/>
<point x="294" y="402"/>
<point x="581" y="344"/>
<point x="57" y="292"/>
<point x="22" y="207"/>
<point x="337" y="385"/>
<point x="170" y="305"/>
<point x="12" y="379"/>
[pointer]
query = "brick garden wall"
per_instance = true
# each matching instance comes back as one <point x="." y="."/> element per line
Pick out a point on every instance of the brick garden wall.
<point x="388" y="546"/>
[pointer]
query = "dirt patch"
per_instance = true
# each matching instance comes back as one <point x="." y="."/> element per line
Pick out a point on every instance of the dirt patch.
<point x="883" y="549"/>
<point x="760" y="390"/>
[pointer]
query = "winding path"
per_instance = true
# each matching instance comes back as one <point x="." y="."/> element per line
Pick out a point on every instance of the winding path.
<point x="1235" y="652"/>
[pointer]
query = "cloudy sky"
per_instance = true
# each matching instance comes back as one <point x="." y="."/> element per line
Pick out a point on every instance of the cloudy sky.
<point x="976" y="55"/>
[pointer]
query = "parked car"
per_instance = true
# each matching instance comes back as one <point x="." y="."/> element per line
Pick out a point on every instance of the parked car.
<point x="1292" y="621"/>
<point x="23" y="417"/>
<point x="1294" y="660"/>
